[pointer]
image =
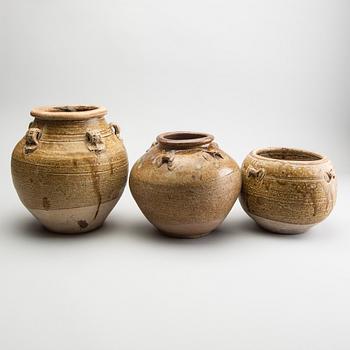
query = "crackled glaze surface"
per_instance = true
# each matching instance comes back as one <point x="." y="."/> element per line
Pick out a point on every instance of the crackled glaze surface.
<point x="71" y="167"/>
<point x="287" y="190"/>
<point x="185" y="184"/>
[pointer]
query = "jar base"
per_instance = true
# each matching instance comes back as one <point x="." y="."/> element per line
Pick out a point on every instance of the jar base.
<point x="188" y="230"/>
<point x="74" y="220"/>
<point x="280" y="227"/>
<point x="74" y="232"/>
<point x="184" y="236"/>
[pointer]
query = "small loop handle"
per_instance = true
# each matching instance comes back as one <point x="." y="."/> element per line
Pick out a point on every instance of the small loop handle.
<point x="115" y="128"/>
<point x="32" y="137"/>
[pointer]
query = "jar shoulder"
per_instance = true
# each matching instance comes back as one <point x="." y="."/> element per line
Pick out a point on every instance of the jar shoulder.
<point x="69" y="148"/>
<point x="279" y="169"/>
<point x="194" y="166"/>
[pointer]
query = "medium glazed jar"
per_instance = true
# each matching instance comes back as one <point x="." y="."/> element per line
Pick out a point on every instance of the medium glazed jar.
<point x="184" y="184"/>
<point x="70" y="168"/>
<point x="287" y="190"/>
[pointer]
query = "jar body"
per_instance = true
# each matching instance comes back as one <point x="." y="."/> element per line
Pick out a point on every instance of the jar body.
<point x="185" y="192"/>
<point x="286" y="190"/>
<point x="72" y="177"/>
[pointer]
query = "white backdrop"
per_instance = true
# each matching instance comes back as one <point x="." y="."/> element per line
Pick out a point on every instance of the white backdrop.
<point x="253" y="73"/>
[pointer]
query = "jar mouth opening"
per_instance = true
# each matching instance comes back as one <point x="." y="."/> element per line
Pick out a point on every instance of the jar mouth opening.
<point x="289" y="155"/>
<point x="71" y="108"/>
<point x="184" y="139"/>
<point x="68" y="112"/>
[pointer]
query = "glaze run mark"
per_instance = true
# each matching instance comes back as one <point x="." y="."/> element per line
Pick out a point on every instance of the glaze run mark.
<point x="83" y="224"/>
<point x="46" y="203"/>
<point x="96" y="184"/>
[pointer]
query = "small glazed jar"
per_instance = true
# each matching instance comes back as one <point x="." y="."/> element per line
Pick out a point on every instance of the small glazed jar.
<point x="70" y="168"/>
<point x="287" y="190"/>
<point x="184" y="184"/>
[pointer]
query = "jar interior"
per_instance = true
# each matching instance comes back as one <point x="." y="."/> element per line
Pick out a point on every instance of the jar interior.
<point x="68" y="112"/>
<point x="289" y="154"/>
<point x="71" y="108"/>
<point x="184" y="136"/>
<point x="184" y="139"/>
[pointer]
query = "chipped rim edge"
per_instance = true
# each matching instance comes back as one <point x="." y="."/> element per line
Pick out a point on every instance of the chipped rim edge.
<point x="49" y="112"/>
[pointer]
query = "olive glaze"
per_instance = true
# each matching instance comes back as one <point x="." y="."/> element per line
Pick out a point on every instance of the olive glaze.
<point x="287" y="190"/>
<point x="185" y="184"/>
<point x="70" y="168"/>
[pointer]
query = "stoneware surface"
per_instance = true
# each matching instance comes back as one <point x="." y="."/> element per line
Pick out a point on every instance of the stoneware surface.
<point x="70" y="168"/>
<point x="287" y="190"/>
<point x="185" y="184"/>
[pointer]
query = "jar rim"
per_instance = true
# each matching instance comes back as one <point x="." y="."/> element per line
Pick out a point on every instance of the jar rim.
<point x="289" y="155"/>
<point x="68" y="112"/>
<point x="184" y="139"/>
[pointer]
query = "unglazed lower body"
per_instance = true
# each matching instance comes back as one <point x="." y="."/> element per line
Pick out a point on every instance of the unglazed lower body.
<point x="74" y="220"/>
<point x="280" y="227"/>
<point x="276" y="226"/>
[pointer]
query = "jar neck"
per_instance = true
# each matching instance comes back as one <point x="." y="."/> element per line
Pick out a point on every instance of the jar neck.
<point x="70" y="130"/>
<point x="184" y="140"/>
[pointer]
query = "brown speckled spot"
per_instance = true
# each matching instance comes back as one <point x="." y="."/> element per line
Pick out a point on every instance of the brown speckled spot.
<point x="46" y="203"/>
<point x="82" y="224"/>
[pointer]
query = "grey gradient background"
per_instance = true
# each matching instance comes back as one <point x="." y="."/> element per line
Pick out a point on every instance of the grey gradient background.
<point x="253" y="73"/>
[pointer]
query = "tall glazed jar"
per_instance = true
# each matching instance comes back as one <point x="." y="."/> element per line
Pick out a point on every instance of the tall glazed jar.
<point x="70" y="168"/>
<point x="185" y="184"/>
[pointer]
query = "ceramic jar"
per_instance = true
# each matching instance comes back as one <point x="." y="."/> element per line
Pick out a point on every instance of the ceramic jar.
<point x="185" y="184"/>
<point x="70" y="168"/>
<point x="287" y="190"/>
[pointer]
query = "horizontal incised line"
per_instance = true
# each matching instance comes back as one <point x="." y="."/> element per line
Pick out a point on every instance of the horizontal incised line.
<point x="291" y="179"/>
<point x="73" y="139"/>
<point x="293" y="201"/>
<point x="90" y="165"/>
<point x="82" y="174"/>
<point x="88" y="206"/>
